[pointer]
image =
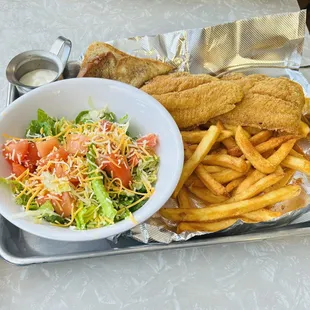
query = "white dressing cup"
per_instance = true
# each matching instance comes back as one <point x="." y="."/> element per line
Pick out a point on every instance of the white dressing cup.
<point x="39" y="64"/>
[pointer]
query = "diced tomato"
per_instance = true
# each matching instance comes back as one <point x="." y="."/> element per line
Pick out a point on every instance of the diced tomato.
<point x="62" y="204"/>
<point x="67" y="203"/>
<point x="18" y="169"/>
<point x="77" y="143"/>
<point x="33" y="155"/>
<point x="46" y="147"/>
<point x="16" y="151"/>
<point x="117" y="167"/>
<point x="59" y="154"/>
<point x="61" y="172"/>
<point x="105" y="125"/>
<point x="133" y="160"/>
<point x="149" y="141"/>
<point x="31" y="160"/>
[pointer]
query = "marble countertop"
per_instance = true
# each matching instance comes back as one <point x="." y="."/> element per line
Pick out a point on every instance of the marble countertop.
<point x="259" y="275"/>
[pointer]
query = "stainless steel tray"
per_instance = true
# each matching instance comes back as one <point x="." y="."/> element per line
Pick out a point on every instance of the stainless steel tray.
<point x="21" y="248"/>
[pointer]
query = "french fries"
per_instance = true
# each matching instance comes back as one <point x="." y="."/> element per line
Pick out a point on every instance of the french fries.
<point x="227" y="175"/>
<point x="255" y="158"/>
<point x="212" y="169"/>
<point x="206" y="178"/>
<point x="297" y="163"/>
<point x="257" y="187"/>
<point x="262" y="215"/>
<point x="183" y="199"/>
<point x="202" y="150"/>
<point x="229" y="210"/>
<point x="206" y="195"/>
<point x="255" y="140"/>
<point x="194" y="137"/>
<point x="230" y="143"/>
<point x="238" y="173"/>
<point x="227" y="161"/>
<point x="202" y="226"/>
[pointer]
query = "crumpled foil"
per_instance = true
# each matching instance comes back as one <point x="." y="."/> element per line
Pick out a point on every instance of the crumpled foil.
<point x="271" y="45"/>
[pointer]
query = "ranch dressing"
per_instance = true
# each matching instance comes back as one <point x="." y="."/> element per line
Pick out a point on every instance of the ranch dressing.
<point x="38" y="77"/>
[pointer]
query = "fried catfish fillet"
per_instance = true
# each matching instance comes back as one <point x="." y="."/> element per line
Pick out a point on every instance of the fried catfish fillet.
<point x="194" y="99"/>
<point x="104" y="61"/>
<point x="268" y="103"/>
<point x="176" y="82"/>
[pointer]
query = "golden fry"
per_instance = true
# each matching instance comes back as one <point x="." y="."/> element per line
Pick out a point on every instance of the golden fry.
<point x="193" y="180"/>
<point x="257" y="187"/>
<point x="183" y="199"/>
<point x="256" y="159"/>
<point x="196" y="136"/>
<point x="227" y="175"/>
<point x="280" y="154"/>
<point x="206" y="195"/>
<point x="260" y="137"/>
<point x="296" y="154"/>
<point x="273" y="143"/>
<point x="227" y="161"/>
<point x="262" y="215"/>
<point x="219" y="152"/>
<point x="259" y="140"/>
<point x="201" y="151"/>
<point x="284" y="181"/>
<point x="234" y="184"/>
<point x="212" y="169"/>
<point x="203" y="226"/>
<point x="230" y="143"/>
<point x="206" y="178"/>
<point x="296" y="163"/>
<point x="232" y="209"/>
<point x="252" y="177"/>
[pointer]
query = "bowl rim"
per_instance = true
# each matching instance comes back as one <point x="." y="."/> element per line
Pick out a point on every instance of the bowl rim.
<point x="126" y="224"/>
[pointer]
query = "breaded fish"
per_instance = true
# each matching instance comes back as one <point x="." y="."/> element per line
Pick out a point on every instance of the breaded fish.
<point x="175" y="82"/>
<point x="104" y="61"/>
<point x="268" y="103"/>
<point x="219" y="94"/>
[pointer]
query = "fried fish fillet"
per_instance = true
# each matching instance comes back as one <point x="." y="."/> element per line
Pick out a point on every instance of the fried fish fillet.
<point x="176" y="82"/>
<point x="194" y="99"/>
<point x="268" y="103"/>
<point x="104" y="61"/>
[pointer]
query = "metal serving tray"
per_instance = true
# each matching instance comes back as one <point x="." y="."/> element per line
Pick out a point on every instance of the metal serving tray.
<point x="22" y="248"/>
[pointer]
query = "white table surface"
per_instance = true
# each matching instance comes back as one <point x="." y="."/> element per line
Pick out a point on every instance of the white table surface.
<point x="259" y="275"/>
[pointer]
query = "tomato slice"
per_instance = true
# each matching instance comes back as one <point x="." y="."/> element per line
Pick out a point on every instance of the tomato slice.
<point x="59" y="154"/>
<point x="46" y="147"/>
<point x="117" y="167"/>
<point x="62" y="203"/>
<point x="18" y="169"/>
<point x="31" y="160"/>
<point x="16" y="151"/>
<point x="133" y="160"/>
<point x="61" y="172"/>
<point x="149" y="141"/>
<point x="77" y="143"/>
<point x="105" y="125"/>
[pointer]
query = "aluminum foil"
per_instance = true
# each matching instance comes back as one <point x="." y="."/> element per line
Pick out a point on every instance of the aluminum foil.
<point x="270" y="44"/>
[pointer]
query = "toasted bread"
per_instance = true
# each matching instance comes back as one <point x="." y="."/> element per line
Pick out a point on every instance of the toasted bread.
<point x="104" y="61"/>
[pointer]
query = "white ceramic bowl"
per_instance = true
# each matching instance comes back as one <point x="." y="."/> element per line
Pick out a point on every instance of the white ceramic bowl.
<point x="67" y="98"/>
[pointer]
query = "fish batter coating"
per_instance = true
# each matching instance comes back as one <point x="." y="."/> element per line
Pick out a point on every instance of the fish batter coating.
<point x="268" y="103"/>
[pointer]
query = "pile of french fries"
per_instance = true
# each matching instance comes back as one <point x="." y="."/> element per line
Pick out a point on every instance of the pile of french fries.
<point x="238" y="173"/>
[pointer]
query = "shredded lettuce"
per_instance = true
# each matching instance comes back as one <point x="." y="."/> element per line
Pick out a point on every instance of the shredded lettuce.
<point x="43" y="126"/>
<point x="91" y="116"/>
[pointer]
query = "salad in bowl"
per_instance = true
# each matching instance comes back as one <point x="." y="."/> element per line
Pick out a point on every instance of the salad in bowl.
<point x="82" y="174"/>
<point x="75" y="169"/>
